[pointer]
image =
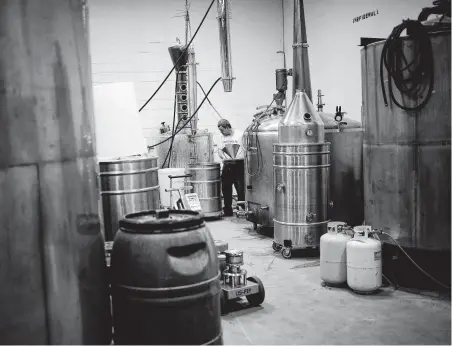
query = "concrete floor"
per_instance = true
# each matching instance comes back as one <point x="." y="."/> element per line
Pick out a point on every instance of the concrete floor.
<point x="298" y="310"/>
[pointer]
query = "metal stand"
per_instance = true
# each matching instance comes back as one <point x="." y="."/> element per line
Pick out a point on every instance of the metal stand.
<point x="171" y="189"/>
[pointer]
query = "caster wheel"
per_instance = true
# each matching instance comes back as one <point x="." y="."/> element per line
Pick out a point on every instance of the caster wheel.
<point x="276" y="246"/>
<point x="286" y="253"/>
<point x="259" y="297"/>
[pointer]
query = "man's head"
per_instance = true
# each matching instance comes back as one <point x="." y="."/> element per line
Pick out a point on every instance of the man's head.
<point x="225" y="127"/>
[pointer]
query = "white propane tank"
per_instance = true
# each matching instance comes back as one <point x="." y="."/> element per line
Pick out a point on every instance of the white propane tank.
<point x="364" y="269"/>
<point x="333" y="259"/>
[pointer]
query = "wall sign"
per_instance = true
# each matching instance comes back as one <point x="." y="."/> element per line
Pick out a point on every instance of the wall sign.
<point x="365" y="16"/>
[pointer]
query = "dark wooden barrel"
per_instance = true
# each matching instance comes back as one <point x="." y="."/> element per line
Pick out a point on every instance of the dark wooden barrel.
<point x="165" y="280"/>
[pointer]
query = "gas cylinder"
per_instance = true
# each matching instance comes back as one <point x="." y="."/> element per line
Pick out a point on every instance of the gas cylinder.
<point x="333" y="260"/>
<point x="364" y="269"/>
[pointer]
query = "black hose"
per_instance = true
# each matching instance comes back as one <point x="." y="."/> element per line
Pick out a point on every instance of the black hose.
<point x="182" y="127"/>
<point x="183" y="53"/>
<point x="411" y="79"/>
<point x="208" y="100"/>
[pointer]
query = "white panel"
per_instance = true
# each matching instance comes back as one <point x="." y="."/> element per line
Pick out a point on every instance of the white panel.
<point x="118" y="127"/>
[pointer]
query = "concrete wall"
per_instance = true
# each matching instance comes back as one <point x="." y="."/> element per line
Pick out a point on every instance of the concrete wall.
<point x="130" y="40"/>
<point x="333" y="39"/>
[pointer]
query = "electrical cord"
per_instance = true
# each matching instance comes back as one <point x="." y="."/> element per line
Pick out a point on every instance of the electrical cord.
<point x="183" y="53"/>
<point x="408" y="256"/>
<point x="191" y="117"/>
<point x="412" y="78"/>
<point x="208" y="100"/>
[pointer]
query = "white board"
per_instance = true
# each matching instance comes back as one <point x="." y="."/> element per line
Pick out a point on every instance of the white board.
<point x="118" y="128"/>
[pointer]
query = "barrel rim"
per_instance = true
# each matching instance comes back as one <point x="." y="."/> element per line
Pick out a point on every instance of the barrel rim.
<point x="130" y="223"/>
<point x="127" y="159"/>
<point x="301" y="144"/>
<point x="201" y="164"/>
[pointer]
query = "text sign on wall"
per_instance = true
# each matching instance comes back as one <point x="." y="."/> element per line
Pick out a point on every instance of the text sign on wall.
<point x="365" y="16"/>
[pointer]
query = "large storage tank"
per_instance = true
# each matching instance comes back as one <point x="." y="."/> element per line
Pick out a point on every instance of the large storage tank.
<point x="346" y="185"/>
<point x="54" y="288"/>
<point x="407" y="166"/>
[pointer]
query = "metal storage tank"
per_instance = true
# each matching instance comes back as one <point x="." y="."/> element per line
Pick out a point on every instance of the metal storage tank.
<point x="127" y="185"/>
<point x="206" y="182"/>
<point x="346" y="185"/>
<point x="407" y="165"/>
<point x="186" y="149"/>
<point x="300" y="177"/>
<point x="53" y="275"/>
<point x="165" y="287"/>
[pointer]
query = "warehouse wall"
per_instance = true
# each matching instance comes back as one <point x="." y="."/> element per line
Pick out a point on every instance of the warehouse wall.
<point x="333" y="39"/>
<point x="130" y="40"/>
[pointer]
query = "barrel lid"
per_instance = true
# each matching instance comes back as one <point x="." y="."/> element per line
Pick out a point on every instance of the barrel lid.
<point x="161" y="221"/>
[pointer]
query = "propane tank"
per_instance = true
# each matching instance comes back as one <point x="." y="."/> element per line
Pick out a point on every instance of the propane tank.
<point x="364" y="269"/>
<point x="333" y="259"/>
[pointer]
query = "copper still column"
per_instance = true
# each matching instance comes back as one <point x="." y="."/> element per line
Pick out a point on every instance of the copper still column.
<point x="52" y="263"/>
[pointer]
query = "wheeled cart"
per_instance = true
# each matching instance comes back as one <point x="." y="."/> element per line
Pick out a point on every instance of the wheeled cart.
<point x="235" y="283"/>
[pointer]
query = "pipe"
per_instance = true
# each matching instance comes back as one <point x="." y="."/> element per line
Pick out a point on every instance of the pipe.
<point x="192" y="90"/>
<point x="301" y="76"/>
<point x="225" y="43"/>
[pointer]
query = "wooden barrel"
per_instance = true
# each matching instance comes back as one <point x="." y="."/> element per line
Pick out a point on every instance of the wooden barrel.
<point x="128" y="185"/>
<point x="165" y="280"/>
<point x="206" y="182"/>
<point x="53" y="277"/>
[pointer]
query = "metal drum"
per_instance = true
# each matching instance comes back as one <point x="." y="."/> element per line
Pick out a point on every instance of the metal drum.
<point x="128" y="185"/>
<point x="206" y="182"/>
<point x="301" y="174"/>
<point x="165" y="285"/>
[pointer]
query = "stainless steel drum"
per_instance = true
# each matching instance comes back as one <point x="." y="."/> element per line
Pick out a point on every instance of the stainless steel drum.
<point x="206" y="182"/>
<point x="301" y="173"/>
<point x="128" y="185"/>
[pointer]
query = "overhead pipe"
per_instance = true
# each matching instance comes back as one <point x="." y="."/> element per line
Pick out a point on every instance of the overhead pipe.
<point x="301" y="76"/>
<point x="223" y="7"/>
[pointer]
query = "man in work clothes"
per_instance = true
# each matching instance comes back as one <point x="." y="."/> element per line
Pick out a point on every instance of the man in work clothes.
<point x="233" y="165"/>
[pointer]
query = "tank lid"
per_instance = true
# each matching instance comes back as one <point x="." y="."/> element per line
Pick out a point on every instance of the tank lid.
<point x="127" y="159"/>
<point x="161" y="221"/>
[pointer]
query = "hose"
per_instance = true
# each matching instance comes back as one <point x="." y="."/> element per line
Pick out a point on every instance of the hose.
<point x="208" y="100"/>
<point x="191" y="117"/>
<point x="411" y="79"/>
<point x="408" y="256"/>
<point x="183" y="53"/>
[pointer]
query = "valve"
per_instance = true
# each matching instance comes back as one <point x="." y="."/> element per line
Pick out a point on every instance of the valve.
<point x="339" y="114"/>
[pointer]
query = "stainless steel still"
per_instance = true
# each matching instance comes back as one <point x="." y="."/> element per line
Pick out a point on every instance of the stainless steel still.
<point x="301" y="162"/>
<point x="54" y="286"/>
<point x="187" y="149"/>
<point x="407" y="155"/>
<point x="128" y="185"/>
<point x="206" y="182"/>
<point x="223" y="7"/>
<point x="192" y="90"/>
<point x="301" y="75"/>
<point x="346" y="181"/>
